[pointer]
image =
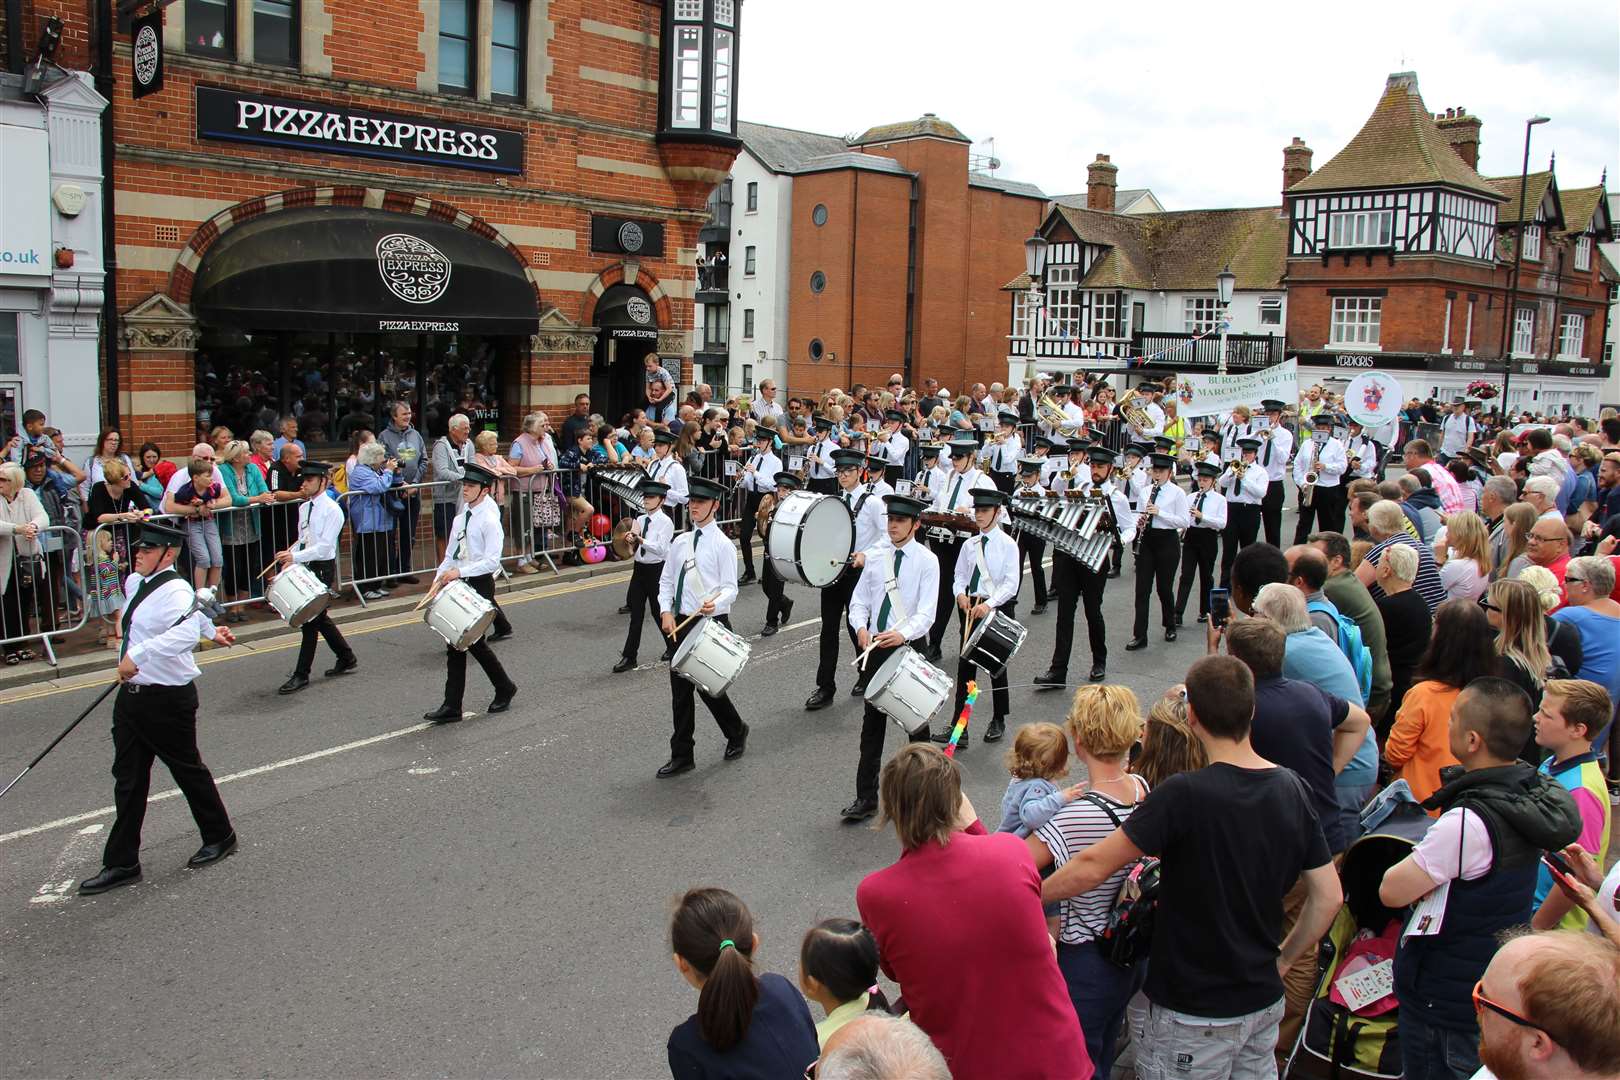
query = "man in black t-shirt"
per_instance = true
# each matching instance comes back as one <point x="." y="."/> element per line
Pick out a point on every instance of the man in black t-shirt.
<point x="1233" y="838"/>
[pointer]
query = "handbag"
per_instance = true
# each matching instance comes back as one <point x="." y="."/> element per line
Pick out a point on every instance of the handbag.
<point x="30" y="570"/>
<point x="546" y="511"/>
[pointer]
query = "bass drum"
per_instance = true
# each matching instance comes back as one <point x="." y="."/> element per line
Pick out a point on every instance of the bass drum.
<point x="811" y="538"/>
<point x="994" y="642"/>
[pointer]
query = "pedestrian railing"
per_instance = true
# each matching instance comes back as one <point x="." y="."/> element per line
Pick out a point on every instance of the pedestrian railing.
<point x="45" y="594"/>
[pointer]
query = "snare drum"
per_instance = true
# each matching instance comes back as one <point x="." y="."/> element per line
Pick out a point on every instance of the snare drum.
<point x="711" y="657"/>
<point x="908" y="689"/>
<point x="811" y="538"/>
<point x="298" y="595"/>
<point x="459" y="615"/>
<point x="994" y="642"/>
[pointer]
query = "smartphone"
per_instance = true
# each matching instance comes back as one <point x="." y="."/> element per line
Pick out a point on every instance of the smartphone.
<point x="1556" y="863"/>
<point x="1220" y="606"/>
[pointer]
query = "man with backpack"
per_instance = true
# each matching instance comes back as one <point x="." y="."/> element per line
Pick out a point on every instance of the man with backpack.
<point x="1308" y="572"/>
<point x="1349" y="597"/>
<point x="1214" y="982"/>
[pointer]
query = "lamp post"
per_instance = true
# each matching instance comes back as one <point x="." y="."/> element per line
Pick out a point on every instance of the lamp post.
<point x="1510" y="312"/>
<point x="1034" y="267"/>
<point x="1224" y="282"/>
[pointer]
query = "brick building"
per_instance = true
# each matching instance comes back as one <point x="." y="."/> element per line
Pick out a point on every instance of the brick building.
<point x="329" y="204"/>
<point x="1401" y="258"/>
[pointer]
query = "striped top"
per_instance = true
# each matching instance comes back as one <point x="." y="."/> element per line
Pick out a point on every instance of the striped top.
<point x="1077" y="826"/>
<point x="1428" y="584"/>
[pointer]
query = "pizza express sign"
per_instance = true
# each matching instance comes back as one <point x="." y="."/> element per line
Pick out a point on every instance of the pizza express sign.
<point x="339" y="129"/>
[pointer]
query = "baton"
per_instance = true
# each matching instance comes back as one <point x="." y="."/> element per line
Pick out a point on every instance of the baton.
<point x="88" y="710"/>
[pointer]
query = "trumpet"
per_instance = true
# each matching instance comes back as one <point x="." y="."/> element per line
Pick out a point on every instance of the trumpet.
<point x="1239" y="468"/>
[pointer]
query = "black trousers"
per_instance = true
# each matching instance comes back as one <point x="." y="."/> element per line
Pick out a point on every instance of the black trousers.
<point x="643" y="600"/>
<point x="745" y="528"/>
<point x="321" y="626"/>
<point x="404" y="534"/>
<point x="834" y="619"/>
<point x="1074" y="583"/>
<point x="1156" y="572"/>
<point x="1198" y="549"/>
<point x="158" y="722"/>
<point x="1035" y="548"/>
<point x="966" y="670"/>
<point x="946" y="552"/>
<point x="823" y="485"/>
<point x="455" y="661"/>
<point x="874" y="728"/>
<point x="1004" y="481"/>
<point x="1327" y="508"/>
<point x="775" y="589"/>
<point x="1271" y="508"/>
<point x="684" y="709"/>
<point x="1242" y="527"/>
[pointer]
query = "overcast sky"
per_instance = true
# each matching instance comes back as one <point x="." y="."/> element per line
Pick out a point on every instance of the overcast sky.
<point x="1193" y="101"/>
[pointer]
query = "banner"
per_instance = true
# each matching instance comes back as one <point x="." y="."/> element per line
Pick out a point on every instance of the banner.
<point x="1373" y="399"/>
<point x="1209" y="395"/>
<point x="146" y="53"/>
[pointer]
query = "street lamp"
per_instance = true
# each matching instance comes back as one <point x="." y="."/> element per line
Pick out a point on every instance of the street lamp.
<point x="1509" y="313"/>
<point x="1224" y="282"/>
<point x="1034" y="267"/>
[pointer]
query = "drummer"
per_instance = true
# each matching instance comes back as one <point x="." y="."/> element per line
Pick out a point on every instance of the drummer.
<point x="758" y="480"/>
<point x="1031" y="485"/>
<point x="868" y="514"/>
<point x="320" y="521"/>
<point x="986" y="581"/>
<point x="699" y="579"/>
<point x="472" y="554"/>
<point x="893" y="605"/>
<point x="649" y="536"/>
<point x="892" y="446"/>
<point x="955" y="496"/>
<point x="778" y="608"/>
<point x="667" y="470"/>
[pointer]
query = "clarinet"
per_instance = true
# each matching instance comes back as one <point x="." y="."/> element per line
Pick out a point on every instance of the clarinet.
<point x="1144" y="522"/>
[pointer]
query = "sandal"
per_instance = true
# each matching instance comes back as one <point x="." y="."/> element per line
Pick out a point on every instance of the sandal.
<point x="12" y="659"/>
<point x="24" y="654"/>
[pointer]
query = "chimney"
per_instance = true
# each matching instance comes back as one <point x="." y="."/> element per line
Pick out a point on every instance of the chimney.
<point x="1462" y="132"/>
<point x="1296" y="163"/>
<point x="1100" y="184"/>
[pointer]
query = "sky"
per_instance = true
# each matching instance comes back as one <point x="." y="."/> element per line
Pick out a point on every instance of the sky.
<point x="1194" y="102"/>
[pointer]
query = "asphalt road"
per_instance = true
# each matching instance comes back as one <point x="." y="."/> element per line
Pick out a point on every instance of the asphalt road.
<point x="487" y="898"/>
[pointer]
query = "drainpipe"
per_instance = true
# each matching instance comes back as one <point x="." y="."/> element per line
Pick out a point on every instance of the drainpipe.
<point x="103" y="31"/>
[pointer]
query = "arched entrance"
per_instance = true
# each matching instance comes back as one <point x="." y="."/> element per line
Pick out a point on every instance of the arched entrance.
<point x="628" y="320"/>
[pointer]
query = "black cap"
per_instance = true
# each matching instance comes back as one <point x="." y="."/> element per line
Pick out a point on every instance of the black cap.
<point x="1006" y="417"/>
<point x="701" y="487"/>
<point x="665" y="436"/>
<point x="988" y="497"/>
<point x="896" y="415"/>
<point x="1248" y="444"/>
<point x="904" y="506"/>
<point x="1208" y="468"/>
<point x="1096" y="435"/>
<point x="845" y="459"/>
<point x="1063" y="388"/>
<point x="1164" y="442"/>
<point x="1042" y="440"/>
<point x="653" y="487"/>
<point x="787" y="479"/>
<point x="1212" y="436"/>
<point x="962" y="447"/>
<point x="1101" y="455"/>
<point x="1323" y="419"/>
<point x="929" y="449"/>
<point x="314" y="468"/>
<point x="477" y="474"/>
<point x="1271" y="405"/>
<point x="763" y="433"/>
<point x="1138" y="449"/>
<point x="1459" y="400"/>
<point x="1030" y="464"/>
<point x="1077" y="446"/>
<point x="876" y="461"/>
<point x="1162" y="461"/>
<point x="153" y="535"/>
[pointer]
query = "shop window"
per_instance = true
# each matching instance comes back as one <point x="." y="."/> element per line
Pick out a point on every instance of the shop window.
<point x="211" y="28"/>
<point x="275" y="32"/>
<point x="457" y="21"/>
<point x="506" y="51"/>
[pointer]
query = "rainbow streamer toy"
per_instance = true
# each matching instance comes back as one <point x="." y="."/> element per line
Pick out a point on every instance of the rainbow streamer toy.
<point x="961" y="721"/>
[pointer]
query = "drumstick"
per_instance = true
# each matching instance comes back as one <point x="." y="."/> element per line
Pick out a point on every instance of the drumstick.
<point x="422" y="603"/>
<point x="967" y="627"/>
<point x="682" y="625"/>
<point x="860" y="661"/>
<point x="269" y="568"/>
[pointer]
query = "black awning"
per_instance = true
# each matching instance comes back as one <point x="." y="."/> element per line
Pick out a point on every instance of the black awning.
<point x="356" y="269"/>
<point x="626" y="311"/>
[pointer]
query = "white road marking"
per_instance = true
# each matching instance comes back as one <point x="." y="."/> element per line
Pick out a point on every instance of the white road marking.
<point x="57" y="888"/>
<point x="423" y="770"/>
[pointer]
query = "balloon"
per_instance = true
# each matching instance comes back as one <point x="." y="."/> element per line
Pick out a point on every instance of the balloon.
<point x="595" y="553"/>
<point x="601" y="527"/>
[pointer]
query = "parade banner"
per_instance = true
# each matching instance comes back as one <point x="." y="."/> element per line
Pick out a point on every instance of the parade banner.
<point x="1210" y="395"/>
<point x="1373" y="399"/>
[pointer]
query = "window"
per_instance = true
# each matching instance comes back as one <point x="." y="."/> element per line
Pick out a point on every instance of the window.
<point x="211" y="28"/>
<point x="506" y="50"/>
<point x="1062" y="302"/>
<point x="716" y="327"/>
<point x="689" y="10"/>
<point x="748" y="378"/>
<point x="817" y="351"/>
<point x="720" y="92"/>
<point x="1468" y="330"/>
<point x="753" y="197"/>
<point x="725" y="12"/>
<point x="1356" y="319"/>
<point x="1361" y="228"/>
<point x="749" y="261"/>
<point x="1571" y="336"/>
<point x="275" y="34"/>
<point x="818" y="216"/>
<point x="1105" y="315"/>
<point x="456" y="46"/>
<point x="818" y="281"/>
<point x="1532" y="242"/>
<point x="1445" y="329"/>
<point x="748" y="324"/>
<point x="1020" y="316"/>
<point x="1524" y="331"/>
<point x="1583" y="252"/>
<point x="688" y="81"/>
<point x="1201" y="313"/>
<point x="10" y="361"/>
<point x="1271" y="311"/>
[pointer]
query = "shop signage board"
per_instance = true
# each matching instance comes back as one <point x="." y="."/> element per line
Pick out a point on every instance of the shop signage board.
<point x="146" y="53"/>
<point x="627" y="236"/>
<point x="25" y="202"/>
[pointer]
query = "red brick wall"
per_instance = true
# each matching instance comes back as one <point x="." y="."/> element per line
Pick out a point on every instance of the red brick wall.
<point x="999" y="225"/>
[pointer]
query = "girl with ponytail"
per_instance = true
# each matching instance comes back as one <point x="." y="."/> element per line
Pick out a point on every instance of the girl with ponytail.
<point x="838" y="970"/>
<point x="746" y="1025"/>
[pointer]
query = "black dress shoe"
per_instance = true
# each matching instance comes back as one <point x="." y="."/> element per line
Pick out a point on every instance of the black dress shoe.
<point x="676" y="766"/>
<point x="997" y="728"/>
<point x="411" y="579"/>
<point x="624" y="609"/>
<point x="294" y="683"/>
<point x="822" y="698"/>
<point x="444" y="714"/>
<point x="1179" y="618"/>
<point x="787" y="611"/>
<point x="934" y="655"/>
<point x="110" y="878"/>
<point x="736" y="748"/>
<point x="1170" y="633"/>
<point x="1203" y="618"/>
<point x="500" y="635"/>
<point x="669" y="654"/>
<point x="748" y="578"/>
<point x="1099" y="671"/>
<point x="343" y="667"/>
<point x="503" y="699"/>
<point x="1054" y="677"/>
<point x="944" y="737"/>
<point x="625" y="664"/>
<point x="768" y="630"/>
<point x="858" y="690"/>
<point x="859" y="810"/>
<point x="1136" y="643"/>
<point x="211" y="853"/>
<point x="1038" y="609"/>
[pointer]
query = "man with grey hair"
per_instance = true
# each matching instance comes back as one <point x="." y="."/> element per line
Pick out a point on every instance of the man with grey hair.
<point x="405" y="445"/>
<point x="876" y="1046"/>
<point x="1498" y="493"/>
<point x="1541" y="492"/>
<point x="1386" y="523"/>
<point x="450" y="454"/>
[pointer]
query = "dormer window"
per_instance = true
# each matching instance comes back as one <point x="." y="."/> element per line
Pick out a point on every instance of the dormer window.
<point x="1532" y="242"/>
<point x="1362" y="229"/>
<point x="701" y="65"/>
<point x="1583" y="252"/>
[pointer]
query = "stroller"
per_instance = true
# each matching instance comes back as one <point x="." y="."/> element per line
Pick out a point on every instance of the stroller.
<point x="1336" y="1042"/>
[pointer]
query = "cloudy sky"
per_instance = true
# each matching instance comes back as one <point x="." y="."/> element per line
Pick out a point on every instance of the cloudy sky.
<point x="1193" y="101"/>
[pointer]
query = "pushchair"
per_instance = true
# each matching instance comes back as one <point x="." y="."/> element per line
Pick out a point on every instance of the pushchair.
<point x="1336" y="1042"/>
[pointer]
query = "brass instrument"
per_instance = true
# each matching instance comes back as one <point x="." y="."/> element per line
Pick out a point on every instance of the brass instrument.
<point x="1134" y="415"/>
<point x="762" y="516"/>
<point x="1355" y="464"/>
<point x="1308" y="492"/>
<point x="1052" y="415"/>
<point x="1238" y="469"/>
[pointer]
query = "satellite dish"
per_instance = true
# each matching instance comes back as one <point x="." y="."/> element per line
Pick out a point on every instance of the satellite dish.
<point x="995" y="163"/>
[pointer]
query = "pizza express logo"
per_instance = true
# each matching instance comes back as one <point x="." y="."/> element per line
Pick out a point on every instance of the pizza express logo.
<point x="413" y="269"/>
<point x="638" y="309"/>
<point x="146" y="55"/>
<point x="631" y="238"/>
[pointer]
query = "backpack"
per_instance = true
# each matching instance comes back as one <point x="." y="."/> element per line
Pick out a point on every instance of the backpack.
<point x="1129" y="933"/>
<point x="1349" y="641"/>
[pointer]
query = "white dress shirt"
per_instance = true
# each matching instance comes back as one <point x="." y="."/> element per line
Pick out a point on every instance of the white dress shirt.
<point x="669" y="471"/>
<point x="713" y="570"/>
<point x="1002" y="457"/>
<point x="1213" y="505"/>
<point x="1155" y="423"/>
<point x="1328" y="462"/>
<point x="871" y="527"/>
<point x="895" y="447"/>
<point x="918" y="588"/>
<point x="1231" y="432"/>
<point x="1274" y="452"/>
<point x="1365" y="449"/>
<point x="821" y="461"/>
<point x="955" y="495"/>
<point x="656" y="530"/>
<point x="1253" y="488"/>
<point x="935" y="478"/>
<point x="1174" y="510"/>
<point x="162" y="636"/>
<point x="320" y="521"/>
<point x="1051" y="466"/>
<point x="1124" y="518"/>
<point x="765" y="465"/>
<point x="1000" y="553"/>
<point x="474" y="546"/>
<point x="762" y="408"/>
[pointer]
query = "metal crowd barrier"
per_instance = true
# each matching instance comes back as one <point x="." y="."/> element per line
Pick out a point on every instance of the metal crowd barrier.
<point x="46" y="594"/>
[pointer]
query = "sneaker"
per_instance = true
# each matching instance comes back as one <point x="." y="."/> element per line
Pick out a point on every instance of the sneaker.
<point x="373" y="594"/>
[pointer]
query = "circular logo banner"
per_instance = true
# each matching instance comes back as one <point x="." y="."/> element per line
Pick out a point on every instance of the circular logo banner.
<point x="146" y="55"/>
<point x="638" y="309"/>
<point x="413" y="269"/>
<point x="631" y="237"/>
<point x="1373" y="399"/>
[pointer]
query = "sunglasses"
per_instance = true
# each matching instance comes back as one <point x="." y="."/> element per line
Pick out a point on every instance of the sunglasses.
<point x="1481" y="1003"/>
<point x="1487" y="605"/>
<point x="1571" y="579"/>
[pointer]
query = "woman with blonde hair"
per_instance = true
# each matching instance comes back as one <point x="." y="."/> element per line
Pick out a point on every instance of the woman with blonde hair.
<point x="1105" y="722"/>
<point x="1563" y="640"/>
<point x="1518" y="519"/>
<point x="1465" y="556"/>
